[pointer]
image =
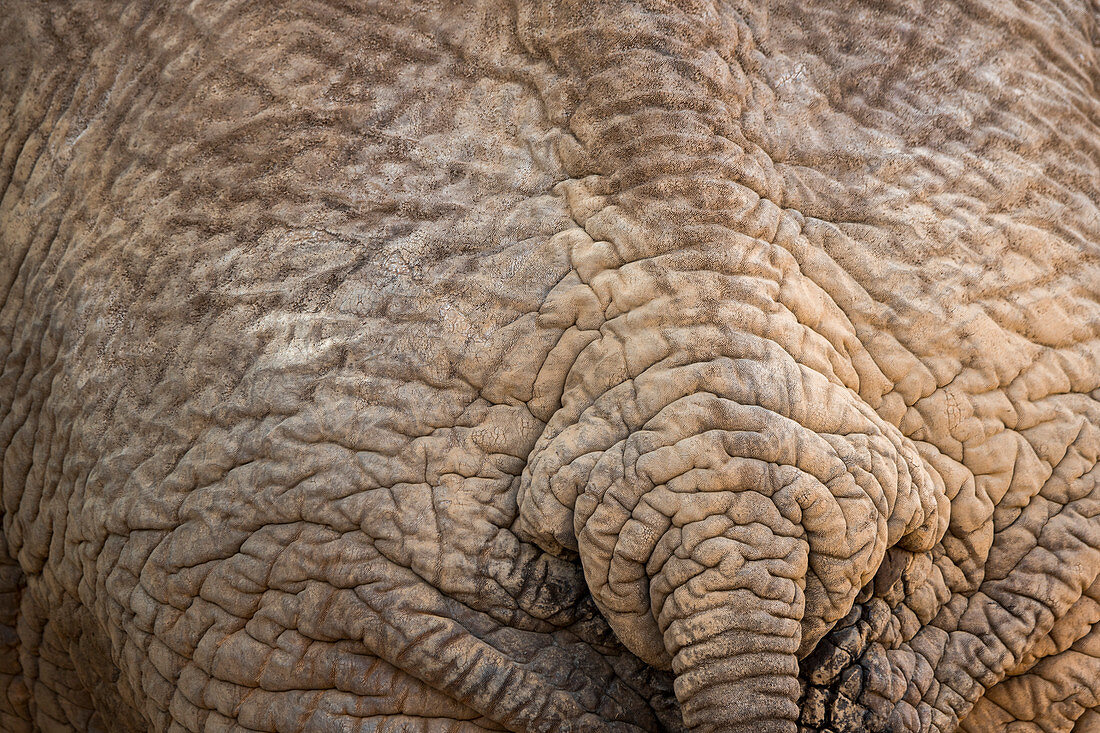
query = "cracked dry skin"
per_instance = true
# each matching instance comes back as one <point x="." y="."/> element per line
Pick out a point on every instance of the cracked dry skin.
<point x="550" y="366"/>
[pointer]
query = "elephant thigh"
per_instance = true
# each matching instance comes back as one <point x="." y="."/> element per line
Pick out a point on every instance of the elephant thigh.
<point x="57" y="671"/>
<point x="1060" y="692"/>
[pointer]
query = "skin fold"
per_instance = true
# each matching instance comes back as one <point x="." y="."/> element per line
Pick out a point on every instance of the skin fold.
<point x="533" y="366"/>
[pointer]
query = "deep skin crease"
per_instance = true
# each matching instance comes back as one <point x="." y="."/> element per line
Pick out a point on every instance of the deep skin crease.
<point x="549" y="366"/>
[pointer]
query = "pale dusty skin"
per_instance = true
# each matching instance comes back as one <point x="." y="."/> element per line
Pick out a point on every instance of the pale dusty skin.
<point x="550" y="366"/>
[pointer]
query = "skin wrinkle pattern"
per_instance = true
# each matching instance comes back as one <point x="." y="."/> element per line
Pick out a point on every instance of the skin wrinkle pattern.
<point x="550" y="366"/>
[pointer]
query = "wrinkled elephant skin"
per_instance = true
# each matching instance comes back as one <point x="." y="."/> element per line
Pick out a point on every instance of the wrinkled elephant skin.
<point x="605" y="366"/>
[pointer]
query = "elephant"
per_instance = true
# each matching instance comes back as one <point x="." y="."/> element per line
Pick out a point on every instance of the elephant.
<point x="629" y="365"/>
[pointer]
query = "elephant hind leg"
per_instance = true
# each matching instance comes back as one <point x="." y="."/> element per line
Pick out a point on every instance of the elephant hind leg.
<point x="370" y="645"/>
<point x="14" y="697"/>
<point x="1089" y="722"/>
<point x="56" y="670"/>
<point x="1060" y="692"/>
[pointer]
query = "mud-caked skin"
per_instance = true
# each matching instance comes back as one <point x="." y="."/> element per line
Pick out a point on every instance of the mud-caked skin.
<point x="541" y="366"/>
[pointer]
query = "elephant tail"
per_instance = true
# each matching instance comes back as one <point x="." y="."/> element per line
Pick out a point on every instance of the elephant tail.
<point x="727" y="512"/>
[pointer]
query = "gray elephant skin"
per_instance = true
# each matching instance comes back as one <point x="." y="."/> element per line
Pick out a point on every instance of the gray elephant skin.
<point x="550" y="366"/>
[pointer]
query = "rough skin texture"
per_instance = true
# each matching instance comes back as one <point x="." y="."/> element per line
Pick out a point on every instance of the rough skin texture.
<point x="550" y="366"/>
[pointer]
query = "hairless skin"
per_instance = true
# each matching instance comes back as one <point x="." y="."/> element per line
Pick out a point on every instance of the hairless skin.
<point x="540" y="366"/>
